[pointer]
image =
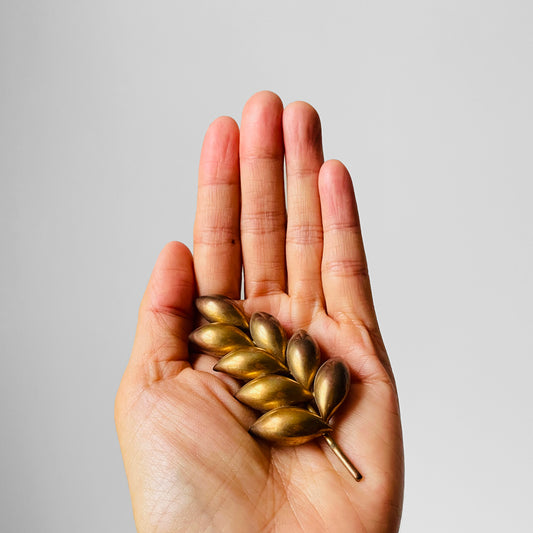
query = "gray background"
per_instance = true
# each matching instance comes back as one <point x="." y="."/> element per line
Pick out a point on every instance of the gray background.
<point x="103" y="105"/>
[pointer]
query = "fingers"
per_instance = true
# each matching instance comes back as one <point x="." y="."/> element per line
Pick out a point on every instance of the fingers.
<point x="303" y="157"/>
<point x="315" y="251"/>
<point x="263" y="216"/>
<point x="345" y="278"/>
<point x="217" y="248"/>
<point x="165" y="314"/>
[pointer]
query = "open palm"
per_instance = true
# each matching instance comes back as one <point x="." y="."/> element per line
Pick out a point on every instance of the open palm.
<point x="191" y="463"/>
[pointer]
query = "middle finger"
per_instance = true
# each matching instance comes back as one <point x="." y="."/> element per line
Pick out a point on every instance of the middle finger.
<point x="263" y="215"/>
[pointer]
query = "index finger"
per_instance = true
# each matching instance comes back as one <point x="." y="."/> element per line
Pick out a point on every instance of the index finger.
<point x="217" y="246"/>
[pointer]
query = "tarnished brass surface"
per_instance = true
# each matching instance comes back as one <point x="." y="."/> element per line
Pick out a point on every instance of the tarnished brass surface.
<point x="272" y="391"/>
<point x="289" y="426"/>
<point x="267" y="333"/>
<point x="303" y="357"/>
<point x="222" y="309"/>
<point x="332" y="383"/>
<point x="219" y="339"/>
<point x="260" y="357"/>
<point x="249" y="363"/>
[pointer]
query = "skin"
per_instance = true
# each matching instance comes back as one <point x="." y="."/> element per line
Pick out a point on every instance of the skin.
<point x="190" y="461"/>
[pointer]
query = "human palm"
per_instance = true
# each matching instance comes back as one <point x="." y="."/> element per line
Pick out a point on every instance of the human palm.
<point x="190" y="461"/>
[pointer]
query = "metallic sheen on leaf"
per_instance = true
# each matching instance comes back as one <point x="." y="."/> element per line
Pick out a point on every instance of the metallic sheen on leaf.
<point x="222" y="309"/>
<point x="332" y="383"/>
<point x="272" y="391"/>
<point x="303" y="357"/>
<point x="219" y="339"/>
<point x="267" y="333"/>
<point x="249" y="363"/>
<point x="289" y="426"/>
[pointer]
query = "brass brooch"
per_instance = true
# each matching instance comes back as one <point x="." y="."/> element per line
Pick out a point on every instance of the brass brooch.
<point x="284" y="378"/>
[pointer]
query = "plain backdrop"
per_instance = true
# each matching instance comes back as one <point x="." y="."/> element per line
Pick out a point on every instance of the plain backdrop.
<point x="103" y="106"/>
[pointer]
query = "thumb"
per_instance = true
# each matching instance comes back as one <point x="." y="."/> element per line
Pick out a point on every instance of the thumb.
<point x="165" y="317"/>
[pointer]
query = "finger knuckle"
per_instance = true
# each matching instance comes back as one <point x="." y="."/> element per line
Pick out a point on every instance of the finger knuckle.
<point x="304" y="234"/>
<point x="346" y="268"/>
<point x="264" y="221"/>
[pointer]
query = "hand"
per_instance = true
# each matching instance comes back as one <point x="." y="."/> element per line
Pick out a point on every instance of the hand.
<point x="190" y="461"/>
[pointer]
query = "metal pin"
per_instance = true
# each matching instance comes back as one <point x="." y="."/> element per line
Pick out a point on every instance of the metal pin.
<point x="344" y="460"/>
